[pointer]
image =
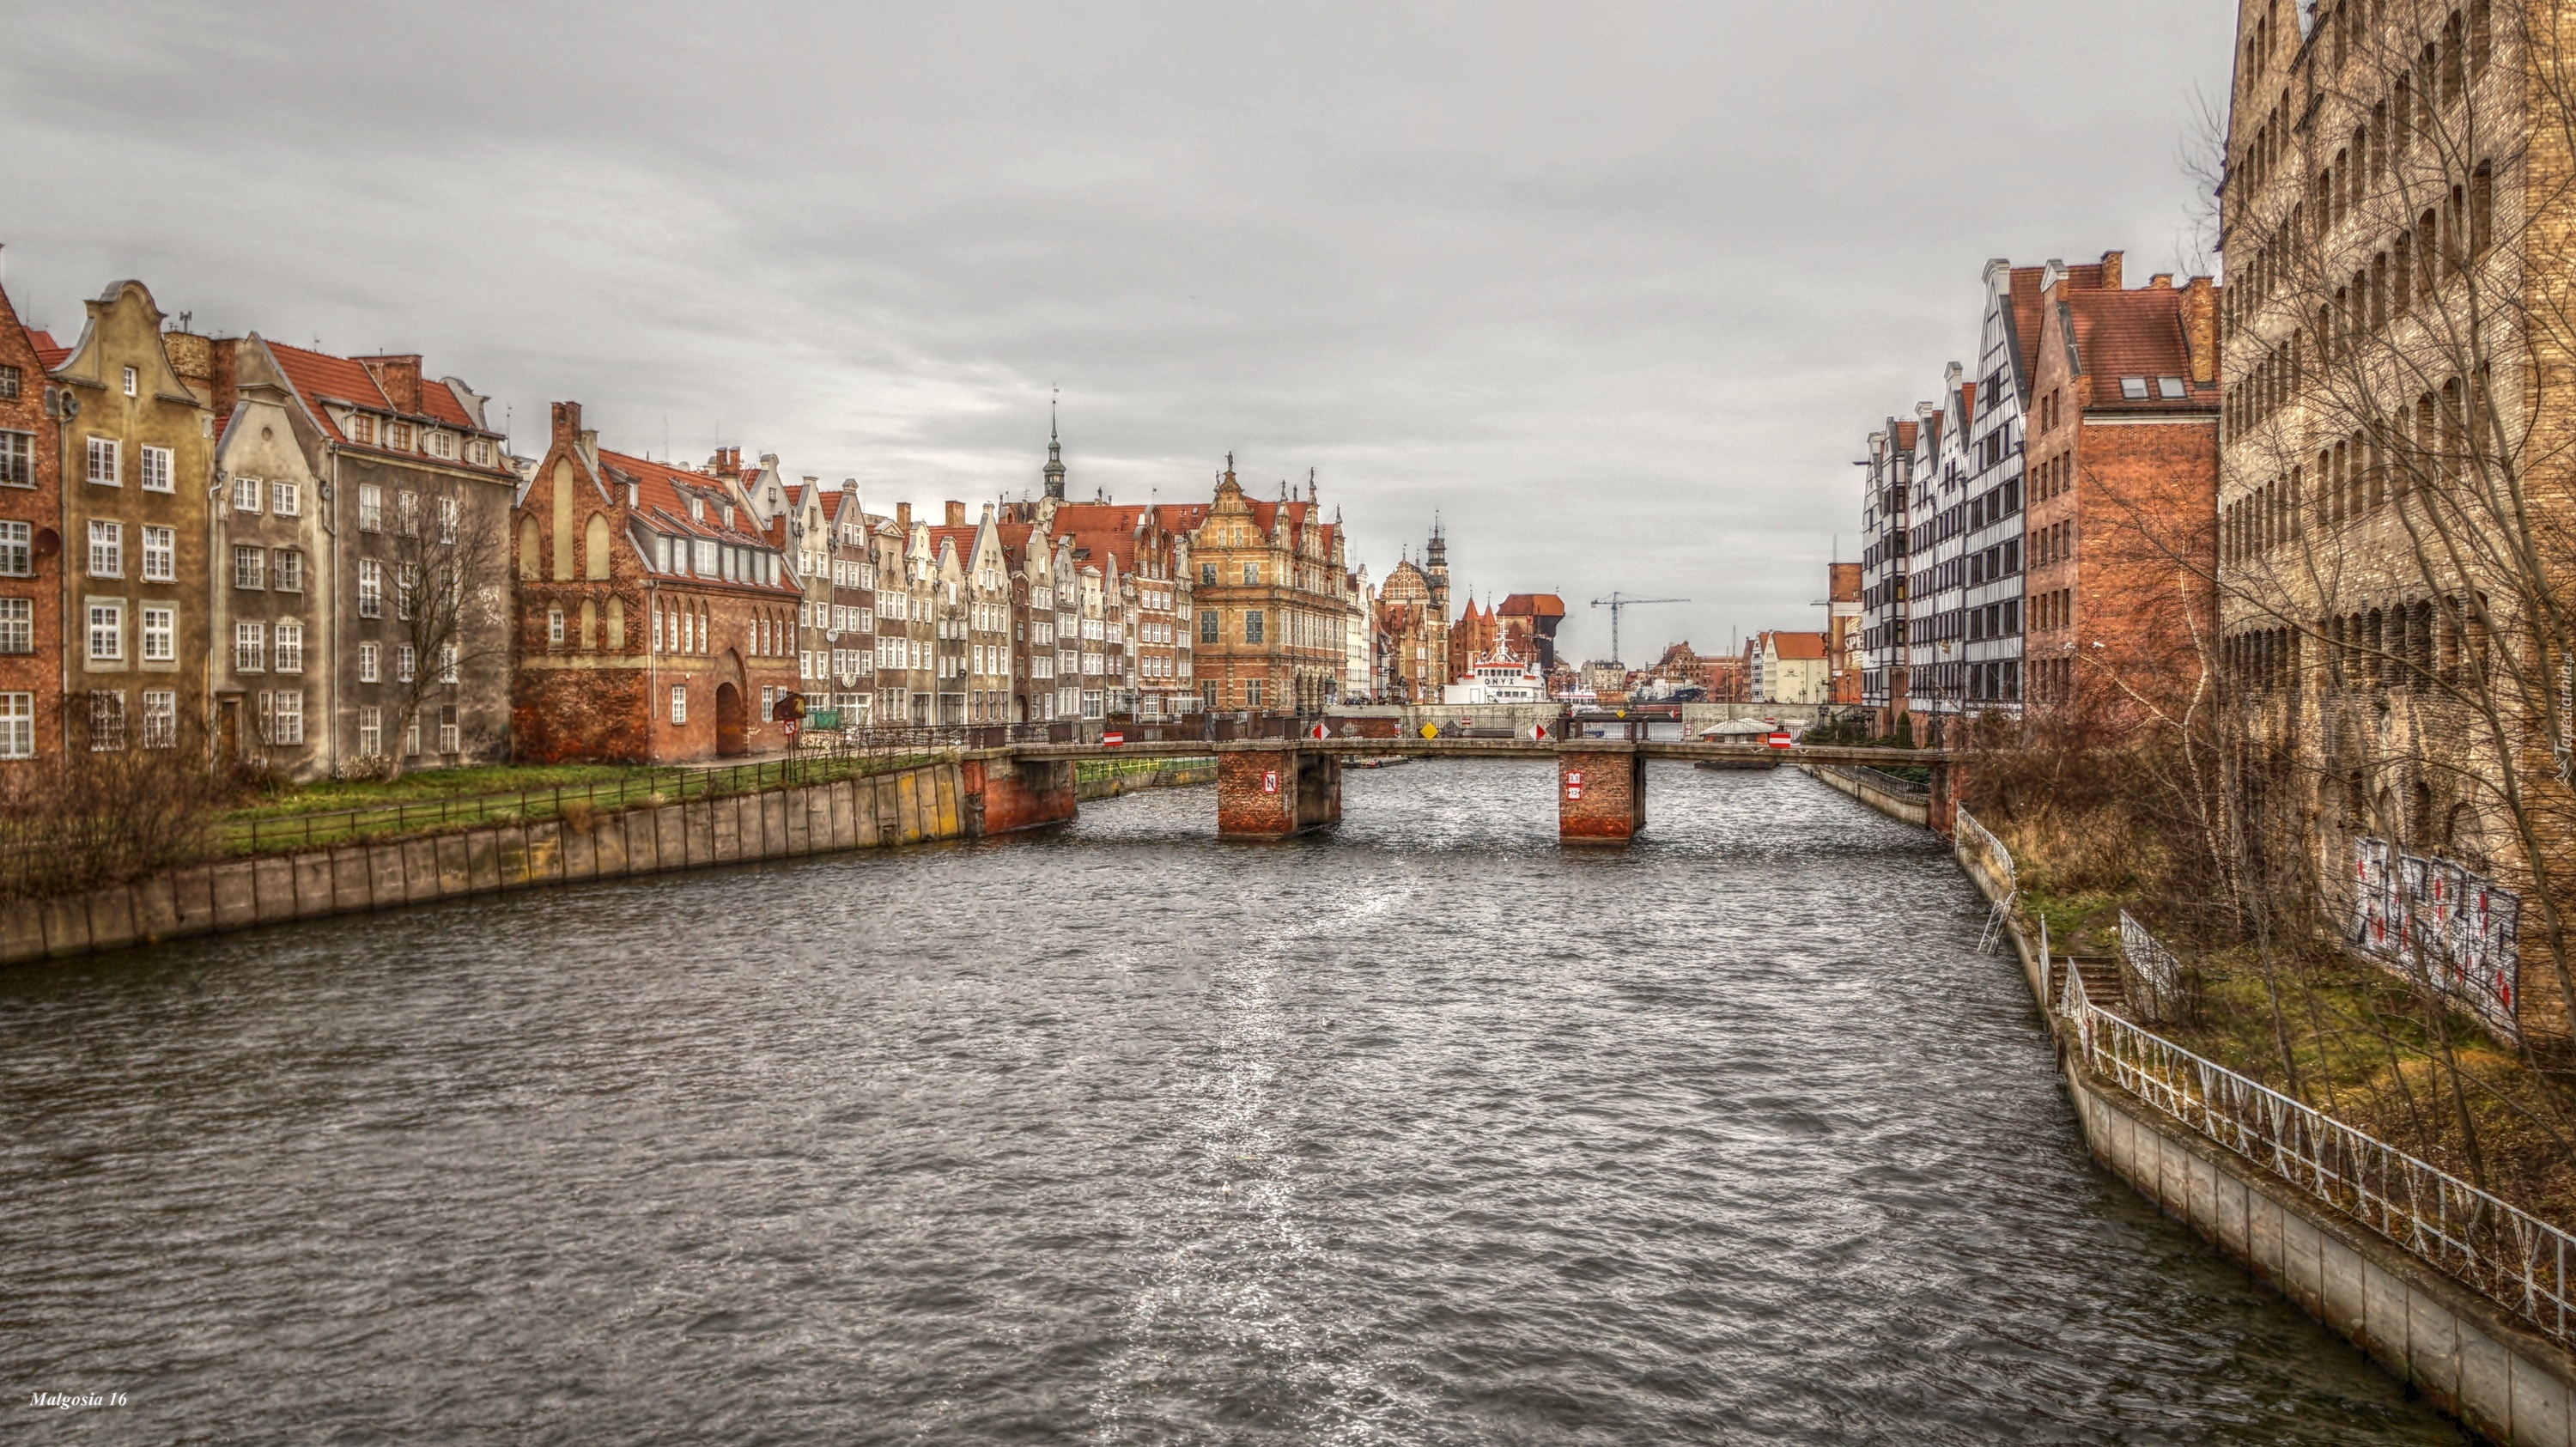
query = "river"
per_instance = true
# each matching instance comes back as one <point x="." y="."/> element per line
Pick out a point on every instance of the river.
<point x="1423" y="1131"/>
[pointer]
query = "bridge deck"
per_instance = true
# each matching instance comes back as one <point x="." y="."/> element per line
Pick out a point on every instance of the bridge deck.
<point x="1479" y="749"/>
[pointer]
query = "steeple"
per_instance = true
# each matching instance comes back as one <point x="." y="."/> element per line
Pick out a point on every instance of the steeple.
<point x="1436" y="558"/>
<point x="1055" y="457"/>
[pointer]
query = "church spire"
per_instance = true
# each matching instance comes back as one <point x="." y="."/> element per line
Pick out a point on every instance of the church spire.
<point x="1055" y="456"/>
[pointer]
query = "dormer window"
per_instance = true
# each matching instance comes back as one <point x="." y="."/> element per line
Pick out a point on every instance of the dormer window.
<point x="398" y="436"/>
<point x="442" y="444"/>
<point x="479" y="452"/>
<point x="2133" y="389"/>
<point x="361" y="429"/>
<point x="2171" y="389"/>
<point x="697" y="510"/>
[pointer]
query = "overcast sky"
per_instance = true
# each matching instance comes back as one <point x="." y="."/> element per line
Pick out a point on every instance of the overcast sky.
<point x="1615" y="290"/>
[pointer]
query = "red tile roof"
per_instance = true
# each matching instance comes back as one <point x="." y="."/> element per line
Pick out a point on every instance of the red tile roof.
<point x="663" y="494"/>
<point x="1532" y="605"/>
<point x="320" y="377"/>
<point x="1905" y="436"/>
<point x="2134" y="334"/>
<point x="49" y="353"/>
<point x="1798" y="645"/>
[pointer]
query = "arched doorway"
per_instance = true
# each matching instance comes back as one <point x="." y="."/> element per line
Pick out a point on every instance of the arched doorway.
<point x="731" y="718"/>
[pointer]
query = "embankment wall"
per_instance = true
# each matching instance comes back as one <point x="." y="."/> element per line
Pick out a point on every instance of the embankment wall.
<point x="908" y="806"/>
<point x="1914" y="809"/>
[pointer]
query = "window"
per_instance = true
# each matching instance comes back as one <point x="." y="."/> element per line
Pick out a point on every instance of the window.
<point x="371" y="508"/>
<point x="1252" y="626"/>
<point x="285" y="499"/>
<point x="8" y="384"/>
<point x="371" y="588"/>
<point x="407" y="514"/>
<point x="17" y="459"/>
<point x="411" y="738"/>
<point x="1251" y="574"/>
<point x="249" y="564"/>
<point x="479" y="452"/>
<point x="447" y="670"/>
<point x="2134" y="389"/>
<point x="289" y="654"/>
<point x="106" y="720"/>
<point x="371" y="730"/>
<point x="555" y="627"/>
<point x="131" y="382"/>
<point x="442" y="444"/>
<point x="679" y="703"/>
<point x="361" y="429"/>
<point x="106" y="550"/>
<point x="290" y="571"/>
<point x="447" y="519"/>
<point x="160" y="634"/>
<point x="450" y="738"/>
<point x="404" y="659"/>
<point x="105" y="468"/>
<point x="160" y="718"/>
<point x="246" y="494"/>
<point x="1252" y="693"/>
<point x="406" y="588"/>
<point x="17" y="625"/>
<point x="250" y="647"/>
<point x="281" y="718"/>
<point x="17" y="550"/>
<point x="17" y="725"/>
<point x="160" y="554"/>
<point x="367" y="668"/>
<point x="107" y="631"/>
<point x="398" y="437"/>
<point x="2171" y="389"/>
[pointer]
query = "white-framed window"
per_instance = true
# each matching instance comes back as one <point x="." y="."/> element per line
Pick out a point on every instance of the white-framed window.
<point x="282" y="716"/>
<point x="411" y="738"/>
<point x="250" y="565"/>
<point x="17" y="725"/>
<point x="367" y="667"/>
<point x="442" y="444"/>
<point x="450" y="738"/>
<point x="17" y="625"/>
<point x="406" y="666"/>
<point x="371" y="508"/>
<point x="679" y="703"/>
<point x="406" y="585"/>
<point x="479" y="452"/>
<point x="106" y="549"/>
<point x="160" y="718"/>
<point x="106" y="720"/>
<point x="105" y="468"/>
<point x="447" y="671"/>
<point x="17" y="459"/>
<point x="290" y="571"/>
<point x="133" y="381"/>
<point x="157" y="475"/>
<point x="286" y="499"/>
<point x="555" y="627"/>
<point x="107" y="630"/>
<point x="288" y="653"/>
<point x="250" y="647"/>
<point x="371" y="730"/>
<point x="407" y="514"/>
<point x="246" y="494"/>
<point x="160" y="630"/>
<point x="371" y="588"/>
<point x="447" y="514"/>
<point x="17" y="550"/>
<point x="160" y="554"/>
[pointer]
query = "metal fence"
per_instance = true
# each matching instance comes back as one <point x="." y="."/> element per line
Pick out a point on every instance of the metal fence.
<point x="2159" y="986"/>
<point x="2513" y="1259"/>
<point x="1999" y="860"/>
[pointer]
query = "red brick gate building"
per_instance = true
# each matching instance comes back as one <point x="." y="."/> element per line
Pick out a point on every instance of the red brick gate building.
<point x="656" y="622"/>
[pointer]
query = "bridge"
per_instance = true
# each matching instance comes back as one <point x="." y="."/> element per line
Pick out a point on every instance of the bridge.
<point x="1279" y="787"/>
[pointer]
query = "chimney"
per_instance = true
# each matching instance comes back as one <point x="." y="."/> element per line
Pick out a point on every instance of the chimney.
<point x="2110" y="271"/>
<point x="2200" y="329"/>
<point x="400" y="379"/>
<point x="956" y="514"/>
<point x="903" y="516"/>
<point x="2161" y="281"/>
<point x="224" y="374"/>
<point x="191" y="356"/>
<point x="566" y="422"/>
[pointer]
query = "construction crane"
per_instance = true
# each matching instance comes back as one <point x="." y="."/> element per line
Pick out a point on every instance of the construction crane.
<point x="1614" y="603"/>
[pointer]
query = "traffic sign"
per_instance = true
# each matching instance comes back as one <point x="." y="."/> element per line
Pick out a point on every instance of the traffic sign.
<point x="1780" y="740"/>
<point x="1113" y="738"/>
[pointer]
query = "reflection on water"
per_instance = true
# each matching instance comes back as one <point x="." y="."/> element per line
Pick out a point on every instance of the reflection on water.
<point x="1426" y="1131"/>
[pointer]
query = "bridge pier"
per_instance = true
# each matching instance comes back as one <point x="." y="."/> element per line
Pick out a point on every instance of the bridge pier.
<point x="1941" y="806"/>
<point x="1004" y="793"/>
<point x="1266" y="791"/>
<point x="1600" y="793"/>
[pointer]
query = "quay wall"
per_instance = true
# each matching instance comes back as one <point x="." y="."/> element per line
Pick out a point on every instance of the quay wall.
<point x="1914" y="809"/>
<point x="2467" y="1355"/>
<point x="908" y="806"/>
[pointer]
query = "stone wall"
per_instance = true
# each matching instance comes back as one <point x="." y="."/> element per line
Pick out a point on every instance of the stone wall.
<point x="906" y="807"/>
<point x="1914" y="809"/>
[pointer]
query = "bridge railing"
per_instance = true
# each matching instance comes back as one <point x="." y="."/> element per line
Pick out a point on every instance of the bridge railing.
<point x="2505" y="1254"/>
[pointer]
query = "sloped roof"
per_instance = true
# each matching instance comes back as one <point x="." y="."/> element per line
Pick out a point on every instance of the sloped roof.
<point x="1532" y="605"/>
<point x="318" y="377"/>
<point x="1798" y="645"/>
<point x="49" y="353"/>
<point x="2134" y="334"/>
<point x="662" y="496"/>
<point x="1905" y="436"/>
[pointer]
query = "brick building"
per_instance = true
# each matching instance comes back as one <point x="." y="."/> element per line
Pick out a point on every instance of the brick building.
<point x="1529" y="622"/>
<point x="32" y="554"/>
<point x="1144" y="555"/>
<point x="654" y="620"/>
<point x="2123" y="478"/>
<point x="1412" y="614"/>
<point x="1272" y="602"/>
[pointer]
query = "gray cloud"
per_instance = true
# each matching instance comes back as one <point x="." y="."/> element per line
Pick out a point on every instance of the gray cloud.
<point x="1614" y="289"/>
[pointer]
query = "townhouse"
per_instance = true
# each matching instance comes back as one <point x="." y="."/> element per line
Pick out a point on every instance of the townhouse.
<point x="32" y="555"/>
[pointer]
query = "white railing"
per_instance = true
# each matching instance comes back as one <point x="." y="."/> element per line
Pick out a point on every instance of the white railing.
<point x="2157" y="971"/>
<point x="2510" y="1257"/>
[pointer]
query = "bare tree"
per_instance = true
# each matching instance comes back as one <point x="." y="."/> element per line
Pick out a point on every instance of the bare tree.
<point x="449" y="588"/>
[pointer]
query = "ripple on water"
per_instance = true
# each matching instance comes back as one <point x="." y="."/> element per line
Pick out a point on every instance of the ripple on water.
<point x="1427" y="1131"/>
